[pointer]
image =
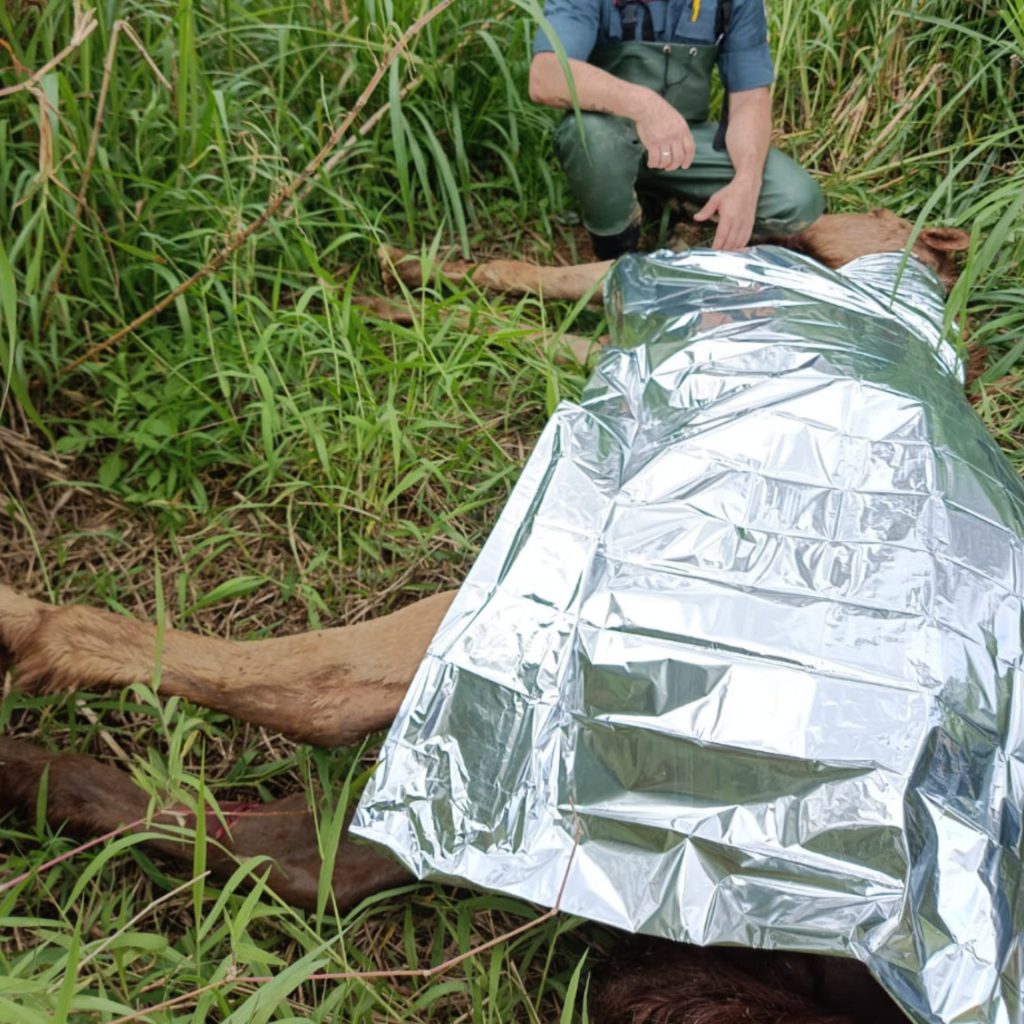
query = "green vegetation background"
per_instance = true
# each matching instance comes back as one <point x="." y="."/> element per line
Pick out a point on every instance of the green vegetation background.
<point x="263" y="456"/>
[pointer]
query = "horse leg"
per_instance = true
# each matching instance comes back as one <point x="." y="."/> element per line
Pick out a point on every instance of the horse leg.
<point x="88" y="798"/>
<point x="513" y="277"/>
<point x="329" y="687"/>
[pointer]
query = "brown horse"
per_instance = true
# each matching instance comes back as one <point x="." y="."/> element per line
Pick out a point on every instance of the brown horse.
<point x="333" y="687"/>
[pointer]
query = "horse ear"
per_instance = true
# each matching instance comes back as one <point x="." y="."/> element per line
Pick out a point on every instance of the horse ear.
<point x="945" y="239"/>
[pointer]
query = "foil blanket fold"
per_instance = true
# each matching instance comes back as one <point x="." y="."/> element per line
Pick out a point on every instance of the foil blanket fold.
<point x="747" y="636"/>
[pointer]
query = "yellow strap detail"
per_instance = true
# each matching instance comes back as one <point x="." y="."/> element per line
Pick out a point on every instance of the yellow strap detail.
<point x="696" y="10"/>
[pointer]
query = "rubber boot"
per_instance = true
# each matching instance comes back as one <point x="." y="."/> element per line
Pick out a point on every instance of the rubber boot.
<point x="610" y="247"/>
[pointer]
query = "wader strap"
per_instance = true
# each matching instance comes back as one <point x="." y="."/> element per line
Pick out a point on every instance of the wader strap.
<point x="637" y="23"/>
<point x="722" y="19"/>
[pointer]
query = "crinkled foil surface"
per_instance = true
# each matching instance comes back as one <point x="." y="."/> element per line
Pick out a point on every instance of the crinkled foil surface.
<point x="749" y="632"/>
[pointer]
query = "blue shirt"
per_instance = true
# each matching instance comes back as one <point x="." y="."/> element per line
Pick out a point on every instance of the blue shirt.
<point x="744" y="61"/>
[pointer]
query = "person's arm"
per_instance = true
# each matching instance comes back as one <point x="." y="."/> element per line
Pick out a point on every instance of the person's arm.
<point x="663" y="131"/>
<point x="747" y="140"/>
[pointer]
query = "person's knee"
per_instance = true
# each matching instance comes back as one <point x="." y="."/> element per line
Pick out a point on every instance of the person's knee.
<point x="599" y="140"/>
<point x="804" y="204"/>
<point x="600" y="156"/>
<point x="791" y="201"/>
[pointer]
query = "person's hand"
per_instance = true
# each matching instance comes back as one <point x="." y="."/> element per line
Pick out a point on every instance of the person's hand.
<point x="666" y="136"/>
<point x="735" y="205"/>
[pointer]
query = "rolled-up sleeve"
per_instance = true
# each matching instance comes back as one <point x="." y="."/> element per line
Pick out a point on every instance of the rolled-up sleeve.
<point x="744" y="60"/>
<point x="575" y="22"/>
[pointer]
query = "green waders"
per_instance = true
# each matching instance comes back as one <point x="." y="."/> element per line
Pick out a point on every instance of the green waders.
<point x="605" y="162"/>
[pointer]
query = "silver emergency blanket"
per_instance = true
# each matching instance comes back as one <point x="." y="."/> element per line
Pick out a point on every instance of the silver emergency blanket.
<point x="748" y="635"/>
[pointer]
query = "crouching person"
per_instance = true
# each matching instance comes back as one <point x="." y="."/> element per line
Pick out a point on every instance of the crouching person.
<point x="641" y="71"/>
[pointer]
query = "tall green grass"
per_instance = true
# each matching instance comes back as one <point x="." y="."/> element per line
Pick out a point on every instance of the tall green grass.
<point x="265" y="456"/>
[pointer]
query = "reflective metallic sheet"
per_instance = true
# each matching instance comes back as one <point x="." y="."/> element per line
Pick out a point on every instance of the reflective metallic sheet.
<point x="750" y="625"/>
